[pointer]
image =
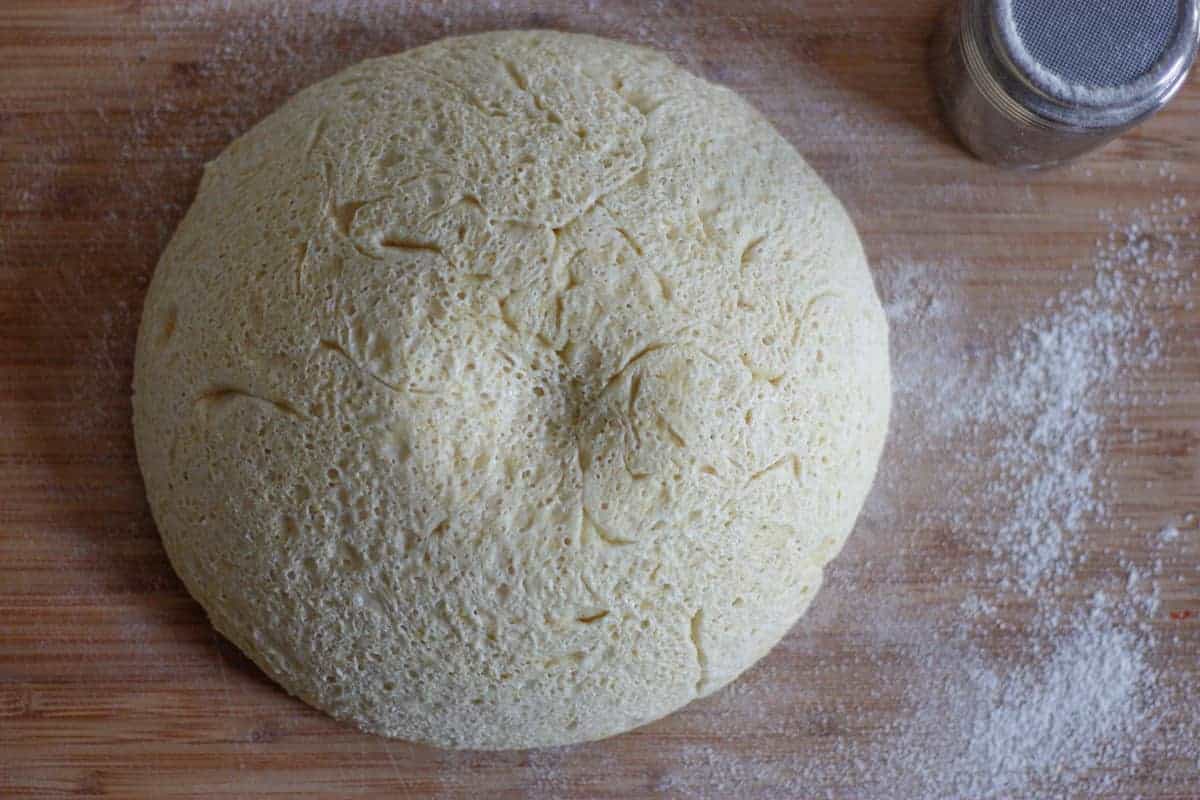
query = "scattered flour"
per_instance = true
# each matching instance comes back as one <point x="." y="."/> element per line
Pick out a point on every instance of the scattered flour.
<point x="1039" y="729"/>
<point x="978" y="729"/>
<point x="1049" y="393"/>
<point x="1036" y="421"/>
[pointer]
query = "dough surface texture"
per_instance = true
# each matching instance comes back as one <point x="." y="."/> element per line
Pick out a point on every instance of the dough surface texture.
<point x="510" y="391"/>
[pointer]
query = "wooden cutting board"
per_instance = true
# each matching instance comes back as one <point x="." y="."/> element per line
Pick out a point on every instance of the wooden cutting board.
<point x="113" y="684"/>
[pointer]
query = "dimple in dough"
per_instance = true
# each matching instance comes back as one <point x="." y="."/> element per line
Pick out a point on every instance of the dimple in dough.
<point x="511" y="391"/>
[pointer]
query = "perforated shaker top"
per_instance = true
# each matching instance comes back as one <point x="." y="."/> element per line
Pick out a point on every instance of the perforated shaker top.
<point x="1102" y="43"/>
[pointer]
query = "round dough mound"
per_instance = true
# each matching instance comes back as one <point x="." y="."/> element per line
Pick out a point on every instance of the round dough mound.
<point x="511" y="391"/>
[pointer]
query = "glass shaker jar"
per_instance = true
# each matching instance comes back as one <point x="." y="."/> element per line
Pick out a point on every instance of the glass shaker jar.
<point x="1036" y="83"/>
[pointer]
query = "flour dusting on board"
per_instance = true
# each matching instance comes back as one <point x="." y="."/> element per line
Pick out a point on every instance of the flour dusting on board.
<point x="1049" y="394"/>
<point x="1033" y="430"/>
<point x="980" y="729"/>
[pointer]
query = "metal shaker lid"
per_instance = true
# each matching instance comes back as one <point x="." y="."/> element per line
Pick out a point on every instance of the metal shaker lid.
<point x="1096" y="62"/>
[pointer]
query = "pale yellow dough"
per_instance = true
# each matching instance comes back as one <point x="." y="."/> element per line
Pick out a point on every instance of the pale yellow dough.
<point x="511" y="391"/>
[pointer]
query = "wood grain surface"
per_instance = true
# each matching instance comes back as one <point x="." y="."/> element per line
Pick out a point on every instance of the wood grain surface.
<point x="112" y="682"/>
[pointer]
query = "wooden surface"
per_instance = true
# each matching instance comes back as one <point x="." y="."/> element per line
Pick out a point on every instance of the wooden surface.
<point x="113" y="684"/>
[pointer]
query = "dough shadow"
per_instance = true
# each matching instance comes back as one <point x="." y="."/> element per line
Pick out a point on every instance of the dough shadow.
<point x="885" y="62"/>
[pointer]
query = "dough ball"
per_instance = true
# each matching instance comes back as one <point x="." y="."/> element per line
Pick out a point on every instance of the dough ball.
<point x="510" y="391"/>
